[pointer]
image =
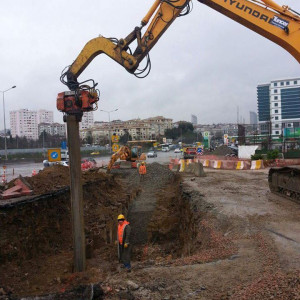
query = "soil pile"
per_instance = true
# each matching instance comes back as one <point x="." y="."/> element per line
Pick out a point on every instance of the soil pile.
<point x="57" y="177"/>
<point x="222" y="151"/>
<point x="36" y="235"/>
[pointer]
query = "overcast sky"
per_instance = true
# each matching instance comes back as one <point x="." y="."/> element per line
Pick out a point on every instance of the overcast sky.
<point x="205" y="63"/>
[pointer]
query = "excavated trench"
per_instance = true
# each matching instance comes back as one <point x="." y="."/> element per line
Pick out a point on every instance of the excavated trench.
<point x="161" y="215"/>
<point x="169" y="226"/>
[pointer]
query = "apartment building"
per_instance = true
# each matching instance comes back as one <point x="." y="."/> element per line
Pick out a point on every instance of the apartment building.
<point x="24" y="122"/>
<point x="160" y="124"/>
<point x="87" y="120"/>
<point x="52" y="129"/>
<point x="31" y="123"/>
<point x="45" y="116"/>
<point x="138" y="129"/>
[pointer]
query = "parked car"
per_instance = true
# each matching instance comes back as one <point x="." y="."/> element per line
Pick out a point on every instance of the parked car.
<point x="165" y="149"/>
<point x="151" y="154"/>
<point x="177" y="150"/>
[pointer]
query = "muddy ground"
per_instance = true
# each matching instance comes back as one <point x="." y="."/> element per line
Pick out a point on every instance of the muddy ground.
<point x="223" y="236"/>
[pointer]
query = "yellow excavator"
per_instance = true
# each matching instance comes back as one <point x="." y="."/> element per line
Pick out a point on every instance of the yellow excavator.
<point x="129" y="157"/>
<point x="280" y="24"/>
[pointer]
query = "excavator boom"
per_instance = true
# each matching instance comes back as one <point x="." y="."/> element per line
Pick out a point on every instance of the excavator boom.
<point x="278" y="24"/>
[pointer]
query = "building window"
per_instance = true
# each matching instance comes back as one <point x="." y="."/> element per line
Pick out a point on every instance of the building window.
<point x="276" y="118"/>
<point x="276" y="104"/>
<point x="276" y="132"/>
<point x="287" y="83"/>
<point x="281" y="83"/>
<point x="276" y="125"/>
<point x="275" y="83"/>
<point x="276" y="98"/>
<point x="275" y="91"/>
<point x="295" y="82"/>
<point x="276" y="111"/>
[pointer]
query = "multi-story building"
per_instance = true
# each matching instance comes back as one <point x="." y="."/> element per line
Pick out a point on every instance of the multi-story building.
<point x="44" y="116"/>
<point x="24" y="122"/>
<point x="31" y="124"/>
<point x="194" y="120"/>
<point x="87" y="120"/>
<point x="279" y="105"/>
<point x="147" y="129"/>
<point x="52" y="129"/>
<point x="159" y="125"/>
<point x="253" y="118"/>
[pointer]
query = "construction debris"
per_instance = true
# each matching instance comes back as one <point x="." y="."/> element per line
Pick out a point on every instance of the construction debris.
<point x="21" y="188"/>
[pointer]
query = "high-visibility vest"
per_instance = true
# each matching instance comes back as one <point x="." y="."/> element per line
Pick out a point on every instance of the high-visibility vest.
<point x="121" y="232"/>
<point x="142" y="169"/>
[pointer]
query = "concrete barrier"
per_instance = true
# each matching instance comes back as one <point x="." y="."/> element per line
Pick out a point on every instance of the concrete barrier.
<point x="205" y="163"/>
<point x="182" y="165"/>
<point x="217" y="164"/>
<point x="257" y="164"/>
<point x="240" y="165"/>
<point x="189" y="161"/>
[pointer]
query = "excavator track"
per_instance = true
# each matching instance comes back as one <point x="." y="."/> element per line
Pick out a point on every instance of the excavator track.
<point x="285" y="182"/>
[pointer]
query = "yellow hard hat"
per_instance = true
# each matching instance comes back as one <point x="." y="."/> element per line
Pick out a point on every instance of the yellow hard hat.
<point x="121" y="217"/>
<point x="143" y="162"/>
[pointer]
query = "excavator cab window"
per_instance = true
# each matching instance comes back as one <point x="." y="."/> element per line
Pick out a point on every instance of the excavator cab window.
<point x="134" y="152"/>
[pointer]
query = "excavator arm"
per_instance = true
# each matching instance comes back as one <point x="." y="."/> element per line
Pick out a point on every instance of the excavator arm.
<point x="278" y="24"/>
<point x="123" y="153"/>
<point x="119" y="50"/>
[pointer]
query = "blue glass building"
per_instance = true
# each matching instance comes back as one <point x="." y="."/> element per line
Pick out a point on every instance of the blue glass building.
<point x="279" y="105"/>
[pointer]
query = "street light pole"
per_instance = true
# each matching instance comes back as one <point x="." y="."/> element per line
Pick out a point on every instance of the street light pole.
<point x="5" y="141"/>
<point x="109" y="127"/>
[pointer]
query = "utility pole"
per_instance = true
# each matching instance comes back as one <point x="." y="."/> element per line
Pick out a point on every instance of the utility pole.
<point x="5" y="141"/>
<point x="270" y="135"/>
<point x="109" y="127"/>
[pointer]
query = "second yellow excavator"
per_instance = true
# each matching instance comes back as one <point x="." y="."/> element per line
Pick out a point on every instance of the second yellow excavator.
<point x="129" y="157"/>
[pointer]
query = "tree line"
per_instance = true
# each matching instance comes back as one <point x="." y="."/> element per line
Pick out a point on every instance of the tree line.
<point x="45" y="140"/>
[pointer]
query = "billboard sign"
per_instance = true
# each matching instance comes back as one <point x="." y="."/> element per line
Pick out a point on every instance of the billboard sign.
<point x="291" y="132"/>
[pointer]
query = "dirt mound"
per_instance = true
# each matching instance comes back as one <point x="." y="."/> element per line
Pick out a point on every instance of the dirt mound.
<point x="223" y="150"/>
<point x="57" y="177"/>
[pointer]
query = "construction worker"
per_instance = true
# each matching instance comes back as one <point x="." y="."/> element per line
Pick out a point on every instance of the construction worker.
<point x="142" y="170"/>
<point x="124" y="247"/>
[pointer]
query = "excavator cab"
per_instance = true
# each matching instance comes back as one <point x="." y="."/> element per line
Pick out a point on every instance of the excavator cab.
<point x="136" y="152"/>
